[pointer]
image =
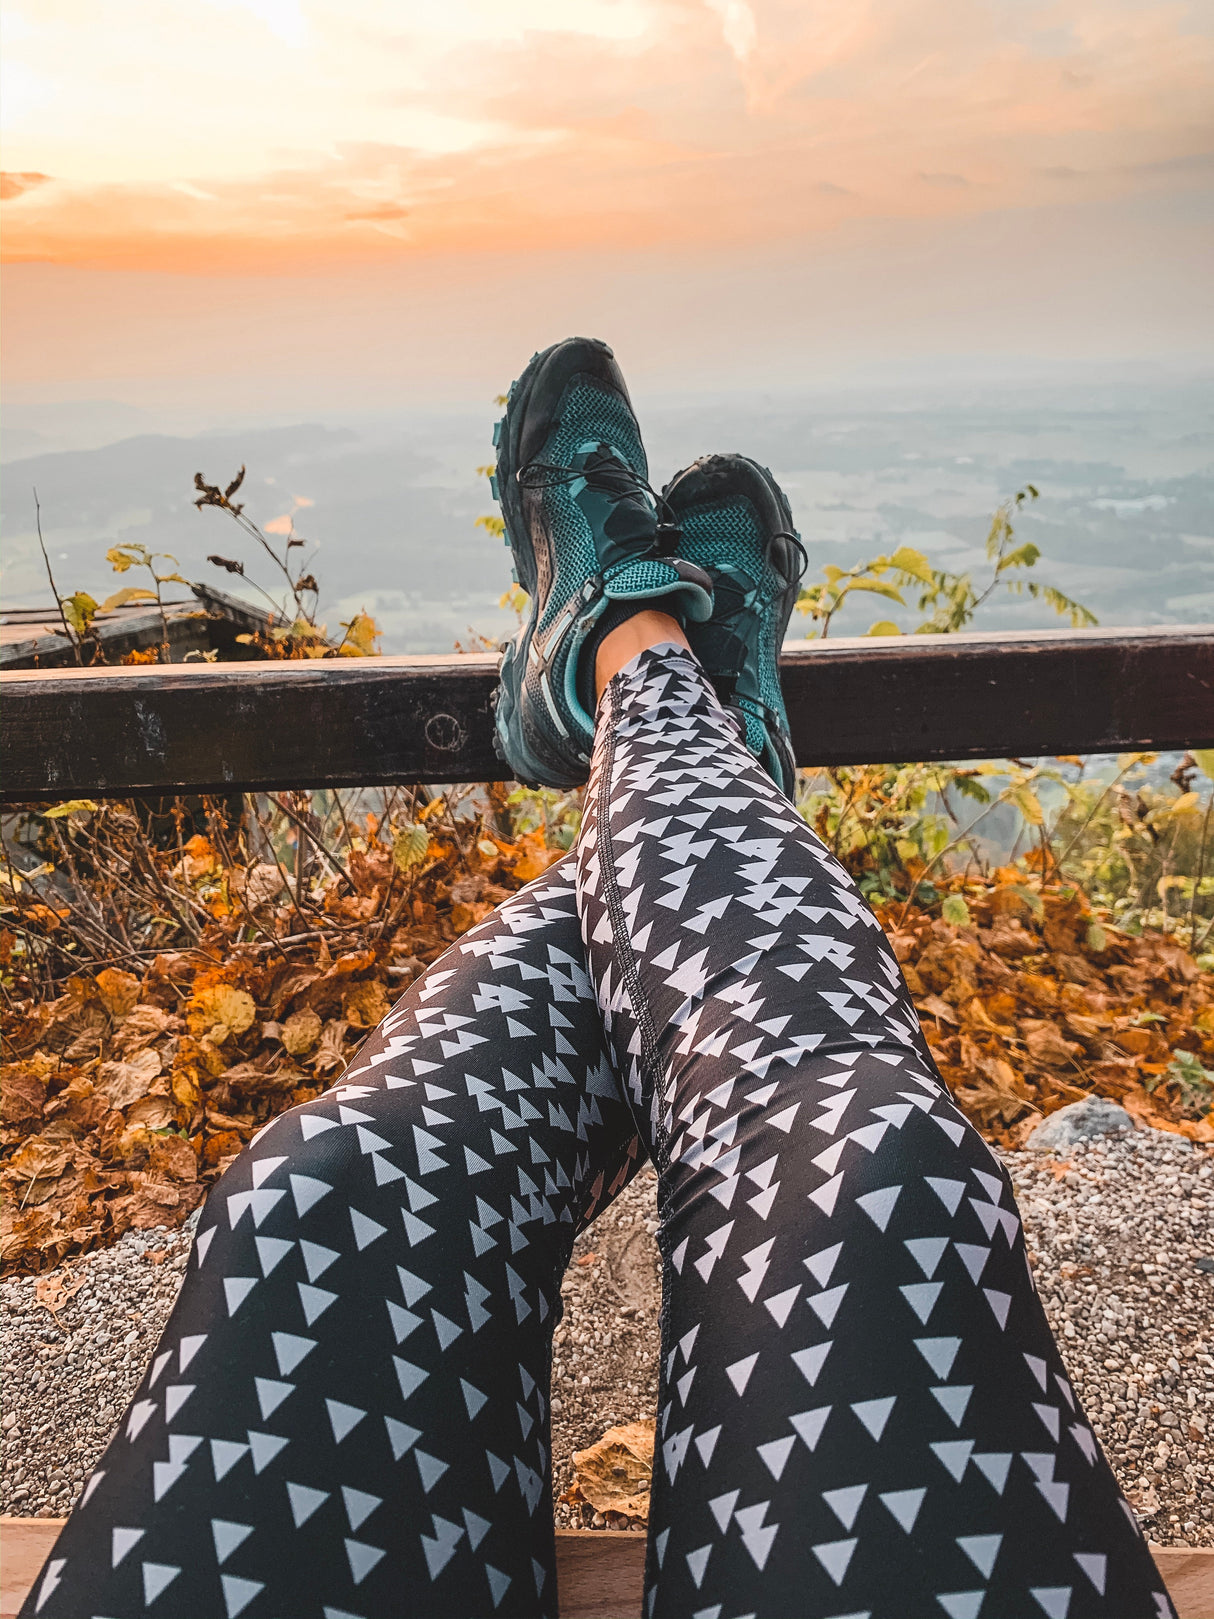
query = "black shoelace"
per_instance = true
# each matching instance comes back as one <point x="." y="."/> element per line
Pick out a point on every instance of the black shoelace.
<point x="612" y="475"/>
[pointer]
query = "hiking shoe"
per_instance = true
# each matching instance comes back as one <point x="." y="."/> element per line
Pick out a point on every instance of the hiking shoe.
<point x="737" y="525"/>
<point x="589" y="548"/>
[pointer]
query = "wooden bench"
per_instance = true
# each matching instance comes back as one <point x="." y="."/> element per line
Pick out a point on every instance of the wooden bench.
<point x="599" y="1573"/>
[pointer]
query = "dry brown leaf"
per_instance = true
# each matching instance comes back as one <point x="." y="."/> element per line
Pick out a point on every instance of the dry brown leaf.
<point x="122" y="1083"/>
<point x="301" y="1031"/>
<point x="614" y="1475"/>
<point x="152" y="1113"/>
<point x="118" y="991"/>
<point x="220" y="1012"/>
<point x="53" y="1292"/>
<point x="365" y="1004"/>
<point x="1046" y="1045"/>
<point x="330" y="1053"/>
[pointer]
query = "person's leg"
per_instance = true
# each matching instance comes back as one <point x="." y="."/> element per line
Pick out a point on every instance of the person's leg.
<point x="862" y="1409"/>
<point x="348" y="1412"/>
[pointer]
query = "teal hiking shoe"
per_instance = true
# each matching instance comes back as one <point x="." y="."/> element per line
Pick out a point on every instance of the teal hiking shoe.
<point x="737" y="526"/>
<point x="590" y="546"/>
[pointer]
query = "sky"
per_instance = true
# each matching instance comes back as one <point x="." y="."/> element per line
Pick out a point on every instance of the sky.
<point x="274" y="206"/>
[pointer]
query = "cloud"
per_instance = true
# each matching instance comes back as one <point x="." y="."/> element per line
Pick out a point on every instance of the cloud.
<point x="572" y="124"/>
<point x="13" y="185"/>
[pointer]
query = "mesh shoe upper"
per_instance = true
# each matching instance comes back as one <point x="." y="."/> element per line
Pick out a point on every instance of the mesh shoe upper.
<point x="586" y="534"/>
<point x="737" y="525"/>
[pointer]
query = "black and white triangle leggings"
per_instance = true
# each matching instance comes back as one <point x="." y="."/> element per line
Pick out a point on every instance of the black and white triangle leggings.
<point x="862" y="1409"/>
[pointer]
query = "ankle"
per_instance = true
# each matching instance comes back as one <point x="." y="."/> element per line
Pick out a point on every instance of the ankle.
<point x="636" y="634"/>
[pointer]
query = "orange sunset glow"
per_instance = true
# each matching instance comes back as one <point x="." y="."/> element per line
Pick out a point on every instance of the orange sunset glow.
<point x="291" y="200"/>
<point x="242" y="135"/>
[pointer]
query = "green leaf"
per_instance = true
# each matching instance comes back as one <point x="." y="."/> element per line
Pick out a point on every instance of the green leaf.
<point x="129" y="594"/>
<point x="79" y="610"/>
<point x="1027" y="802"/>
<point x="1024" y="556"/>
<point x="907" y="560"/>
<point x="1203" y="758"/>
<point x="409" y="846"/>
<point x="884" y="626"/>
<point x="955" y="911"/>
<point x="71" y="806"/>
<point x="878" y="587"/>
<point x="122" y="557"/>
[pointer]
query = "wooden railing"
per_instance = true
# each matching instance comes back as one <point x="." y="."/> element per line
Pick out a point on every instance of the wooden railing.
<point x="362" y="722"/>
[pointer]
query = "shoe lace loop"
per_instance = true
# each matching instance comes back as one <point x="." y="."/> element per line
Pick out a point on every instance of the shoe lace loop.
<point x="624" y="481"/>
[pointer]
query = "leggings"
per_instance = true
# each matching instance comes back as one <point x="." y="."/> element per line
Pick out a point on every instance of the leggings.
<point x="862" y="1412"/>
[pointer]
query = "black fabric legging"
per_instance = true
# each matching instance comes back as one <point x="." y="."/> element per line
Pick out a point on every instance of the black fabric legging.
<point x="862" y="1410"/>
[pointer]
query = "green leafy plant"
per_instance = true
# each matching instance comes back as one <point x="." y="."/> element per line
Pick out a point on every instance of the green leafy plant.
<point x="127" y="555"/>
<point x="950" y="600"/>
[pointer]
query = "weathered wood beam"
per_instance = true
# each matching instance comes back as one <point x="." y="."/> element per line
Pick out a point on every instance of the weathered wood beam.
<point x="366" y="722"/>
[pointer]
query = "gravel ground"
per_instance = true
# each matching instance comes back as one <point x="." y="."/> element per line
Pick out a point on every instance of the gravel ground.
<point x="1115" y="1228"/>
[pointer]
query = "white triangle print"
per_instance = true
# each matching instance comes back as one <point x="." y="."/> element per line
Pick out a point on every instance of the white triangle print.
<point x="270" y="1395"/>
<point x="926" y="1252"/>
<point x="1095" y="1565"/>
<point x="289" y="1349"/>
<point x="953" y="1455"/>
<point x="994" y="1466"/>
<point x="317" y="1259"/>
<point x="722" y="1506"/>
<point x="822" y="1264"/>
<point x="960" y="1604"/>
<point x="845" y="1503"/>
<point x="264" y="1447"/>
<point x="307" y="1192"/>
<point x="922" y="1296"/>
<point x="739" y="1372"/>
<point x="401" y="1436"/>
<point x="950" y="1194"/>
<point x="238" y="1593"/>
<point x="227" y="1536"/>
<point x="1000" y="1304"/>
<point x="809" y="1361"/>
<point x="1054" y="1600"/>
<point x="359" y="1506"/>
<point x="121" y="1542"/>
<point x="879" y="1205"/>
<point x="343" y="1418"/>
<point x="953" y="1400"/>
<point x="775" y="1454"/>
<point x="904" y="1505"/>
<point x="939" y="1353"/>
<point x="809" y="1424"/>
<point x="236" y="1290"/>
<point x="874" y="1414"/>
<point x="157" y="1577"/>
<point x="834" y="1556"/>
<point x="188" y="1347"/>
<point x="362" y="1558"/>
<point x="366" y="1230"/>
<point x="981" y="1550"/>
<point x="225" y="1453"/>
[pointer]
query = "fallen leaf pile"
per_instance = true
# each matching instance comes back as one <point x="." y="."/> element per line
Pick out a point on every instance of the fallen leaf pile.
<point x="1037" y="1003"/>
<point x="126" y="1095"/>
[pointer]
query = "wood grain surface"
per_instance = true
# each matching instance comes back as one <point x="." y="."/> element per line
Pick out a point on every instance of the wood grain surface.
<point x="348" y="722"/>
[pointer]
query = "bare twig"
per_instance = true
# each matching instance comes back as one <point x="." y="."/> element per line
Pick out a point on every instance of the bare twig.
<point x="72" y="640"/>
